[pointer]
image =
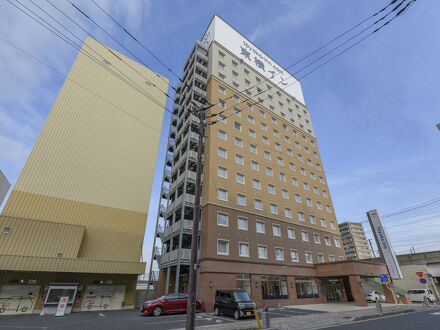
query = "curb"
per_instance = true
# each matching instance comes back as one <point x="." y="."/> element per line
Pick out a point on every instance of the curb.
<point x="374" y="316"/>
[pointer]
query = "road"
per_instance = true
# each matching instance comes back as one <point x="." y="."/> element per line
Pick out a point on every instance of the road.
<point x="429" y="319"/>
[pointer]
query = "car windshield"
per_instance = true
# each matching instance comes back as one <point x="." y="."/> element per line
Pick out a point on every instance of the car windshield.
<point x="241" y="296"/>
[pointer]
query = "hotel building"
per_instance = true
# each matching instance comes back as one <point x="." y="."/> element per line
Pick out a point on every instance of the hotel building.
<point x="268" y="223"/>
<point x="354" y="241"/>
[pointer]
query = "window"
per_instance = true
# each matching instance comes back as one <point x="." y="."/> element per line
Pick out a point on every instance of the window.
<point x="282" y="177"/>
<point x="323" y="222"/>
<point x="249" y="106"/>
<point x="289" y="152"/>
<point x="297" y="198"/>
<point x="304" y="138"/>
<point x="273" y="209"/>
<point x="263" y="126"/>
<point x="294" y="181"/>
<point x="316" y="239"/>
<point x="234" y="83"/>
<point x="306" y="149"/>
<point x="237" y="112"/>
<point x="246" y="72"/>
<point x="295" y="133"/>
<point x="309" y="202"/>
<point x="321" y="179"/>
<point x="324" y="193"/>
<point x="234" y="64"/>
<point x="320" y="258"/>
<point x="337" y="244"/>
<point x="239" y="178"/>
<point x="256" y="184"/>
<point x="220" y="54"/>
<point x="332" y="224"/>
<point x="269" y="171"/>
<point x="222" y="103"/>
<point x="222" y="194"/>
<point x="319" y="205"/>
<point x="236" y="98"/>
<point x="301" y="216"/>
<point x="222" y="172"/>
<point x="308" y="257"/>
<point x="280" y="161"/>
<point x="254" y="165"/>
<point x="294" y="256"/>
<point x="331" y="258"/>
<point x="222" y="219"/>
<point x="340" y="258"/>
<point x="260" y="227"/>
<point x="258" y="204"/>
<point x="315" y="154"/>
<point x="318" y="166"/>
<point x="288" y="212"/>
<point x="299" y="157"/>
<point x="304" y="236"/>
<point x="297" y="145"/>
<point x="279" y="254"/>
<point x="327" y="240"/>
<point x="239" y="159"/>
<point x="242" y="223"/>
<point x="312" y="220"/>
<point x="271" y="189"/>
<point x="303" y="172"/>
<point x="286" y="138"/>
<point x="309" y="162"/>
<point x="329" y="210"/>
<point x="274" y="121"/>
<point x="315" y="190"/>
<point x="222" y="134"/>
<point x="275" y="133"/>
<point x="222" y="119"/>
<point x="306" y="288"/>
<point x="235" y="75"/>
<point x="222" y="152"/>
<point x="237" y="126"/>
<point x="274" y="287"/>
<point x="222" y="247"/>
<point x="291" y="233"/>
<point x="262" y="252"/>
<point x="267" y="154"/>
<point x="221" y="66"/>
<point x="238" y="142"/>
<point x="292" y="166"/>
<point x="243" y="249"/>
<point x="253" y="148"/>
<point x="277" y="146"/>
<point x="262" y="114"/>
<point x="222" y="90"/>
<point x="306" y="186"/>
<point x="241" y="199"/>
<point x="284" y="193"/>
<point x="252" y="133"/>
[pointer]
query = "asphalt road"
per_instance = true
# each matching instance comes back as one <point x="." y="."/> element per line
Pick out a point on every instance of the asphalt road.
<point x="127" y="319"/>
<point x="429" y="319"/>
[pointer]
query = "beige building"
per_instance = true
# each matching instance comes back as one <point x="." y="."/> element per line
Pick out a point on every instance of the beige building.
<point x="268" y="222"/>
<point x="354" y="241"/>
<point x="74" y="223"/>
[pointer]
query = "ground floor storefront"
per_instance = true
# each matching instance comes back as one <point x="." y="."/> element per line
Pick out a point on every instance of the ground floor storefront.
<point x="32" y="292"/>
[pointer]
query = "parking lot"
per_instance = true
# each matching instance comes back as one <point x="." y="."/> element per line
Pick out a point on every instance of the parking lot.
<point x="127" y="319"/>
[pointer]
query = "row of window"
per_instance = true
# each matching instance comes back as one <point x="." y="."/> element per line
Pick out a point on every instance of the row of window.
<point x="262" y="253"/>
<point x="222" y="194"/>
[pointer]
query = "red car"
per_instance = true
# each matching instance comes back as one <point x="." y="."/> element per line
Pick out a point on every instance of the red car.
<point x="172" y="303"/>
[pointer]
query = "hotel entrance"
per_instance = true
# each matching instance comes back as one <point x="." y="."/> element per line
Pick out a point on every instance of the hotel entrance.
<point x="338" y="290"/>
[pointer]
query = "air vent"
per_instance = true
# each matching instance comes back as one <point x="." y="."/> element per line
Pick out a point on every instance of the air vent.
<point x="60" y="255"/>
<point x="6" y="230"/>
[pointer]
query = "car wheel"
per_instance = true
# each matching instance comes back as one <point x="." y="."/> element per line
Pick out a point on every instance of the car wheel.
<point x="237" y="314"/>
<point x="157" y="311"/>
<point x="217" y="311"/>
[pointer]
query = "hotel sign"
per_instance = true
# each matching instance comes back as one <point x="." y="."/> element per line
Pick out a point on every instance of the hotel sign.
<point x="221" y="32"/>
<point x="383" y="243"/>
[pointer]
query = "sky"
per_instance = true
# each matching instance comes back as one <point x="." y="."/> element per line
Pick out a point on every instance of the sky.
<point x="374" y="108"/>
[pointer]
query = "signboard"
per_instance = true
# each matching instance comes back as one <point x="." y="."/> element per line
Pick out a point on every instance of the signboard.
<point x="420" y="274"/>
<point x="429" y="275"/>
<point x="423" y="281"/>
<point x="62" y="304"/>
<point x="383" y="243"/>
<point x="236" y="43"/>
<point x="383" y="277"/>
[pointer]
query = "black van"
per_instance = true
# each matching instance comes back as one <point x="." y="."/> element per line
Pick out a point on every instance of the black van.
<point x="236" y="303"/>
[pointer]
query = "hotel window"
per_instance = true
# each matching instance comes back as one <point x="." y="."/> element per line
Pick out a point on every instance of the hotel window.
<point x="253" y="148"/>
<point x="316" y="239"/>
<point x="251" y="119"/>
<point x="249" y="106"/>
<point x="273" y="209"/>
<point x="337" y="244"/>
<point x="241" y="199"/>
<point x="235" y="75"/>
<point x="221" y="66"/>
<point x="295" y="133"/>
<point x="306" y="288"/>
<point x="256" y="184"/>
<point x="222" y="134"/>
<point x="297" y="145"/>
<point x="323" y="222"/>
<point x="265" y="140"/>
<point x="287" y="213"/>
<point x="235" y="85"/>
<point x="294" y="256"/>
<point x="277" y="146"/>
<point x="331" y="258"/>
<point x="312" y="220"/>
<point x="271" y="189"/>
<point x="303" y="172"/>
<point x="239" y="159"/>
<point x="222" y="152"/>
<point x="221" y="54"/>
<point x="271" y="108"/>
<point x="262" y="252"/>
<point x="312" y="142"/>
<point x="297" y="198"/>
<point x="262" y="114"/>
<point x="242" y="223"/>
<point x="321" y="179"/>
<point x="285" y="193"/>
<point x="319" y="205"/>
<point x="279" y="254"/>
<point x="222" y="172"/>
<point x="280" y="161"/>
<point x="258" y="80"/>
<point x="274" y="121"/>
<point x="237" y="112"/>
<point x="301" y="216"/>
<point x="258" y="204"/>
<point x="254" y="164"/>
<point x="291" y="233"/>
<point x="304" y="236"/>
<point x="332" y="224"/>
<point x="286" y="138"/>
<point x="294" y="181"/>
<point x="236" y="98"/>
<point x="312" y="175"/>
<point x="320" y="258"/>
<point x="243" y="249"/>
<point x="246" y="72"/>
<point x="222" y="119"/>
<point x="222" y="103"/>
<point x="315" y="190"/>
<point x="267" y="155"/>
<point x="237" y="126"/>
<point x="340" y="258"/>
<point x="222" y="247"/>
<point x="324" y="193"/>
<point x="234" y="64"/>
<point x="285" y="128"/>
<point x="260" y="227"/>
<point x="304" y="138"/>
<point x="222" y="219"/>
<point x="259" y="99"/>
<point x="315" y="154"/>
<point x="263" y="126"/>
<point x="292" y="166"/>
<point x="239" y="178"/>
<point x="238" y="142"/>
<point x="329" y="210"/>
<point x="308" y="257"/>
<point x="275" y="133"/>
<point x="309" y="162"/>
<point x="283" y="115"/>
<point x="289" y="152"/>
<point x="222" y="90"/>
<point x="327" y="240"/>
<point x="305" y="185"/>
<point x="276" y="230"/>
<point x="269" y="171"/>
<point x="282" y="177"/>
<point x="300" y="157"/>
<point x="306" y="149"/>
<point x="309" y="202"/>
<point x="222" y="194"/>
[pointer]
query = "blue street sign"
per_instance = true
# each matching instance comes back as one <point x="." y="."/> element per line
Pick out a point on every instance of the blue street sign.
<point x="429" y="275"/>
<point x="423" y="281"/>
<point x="383" y="277"/>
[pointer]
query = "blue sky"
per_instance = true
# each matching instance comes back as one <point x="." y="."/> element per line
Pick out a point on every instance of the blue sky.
<point x="374" y="109"/>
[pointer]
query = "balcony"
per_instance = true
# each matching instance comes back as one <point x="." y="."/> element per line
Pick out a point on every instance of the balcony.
<point x="173" y="131"/>
<point x="171" y="145"/>
<point x="162" y="211"/>
<point x="170" y="258"/>
<point x="174" y="229"/>
<point x="169" y="160"/>
<point x="167" y="176"/>
<point x="165" y="192"/>
<point x="189" y="201"/>
<point x="159" y="231"/>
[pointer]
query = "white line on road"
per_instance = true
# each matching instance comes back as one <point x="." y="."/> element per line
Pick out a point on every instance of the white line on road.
<point x="162" y="322"/>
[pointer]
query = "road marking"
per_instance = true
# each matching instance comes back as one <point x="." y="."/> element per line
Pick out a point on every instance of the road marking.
<point x="223" y="318"/>
<point x="219" y="321"/>
<point x="162" y="322"/>
<point x="436" y="313"/>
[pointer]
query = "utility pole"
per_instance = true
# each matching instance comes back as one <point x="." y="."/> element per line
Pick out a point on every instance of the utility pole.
<point x="192" y="282"/>
<point x="371" y="247"/>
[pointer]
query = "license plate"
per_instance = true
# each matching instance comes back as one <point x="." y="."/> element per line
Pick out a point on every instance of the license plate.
<point x="248" y="313"/>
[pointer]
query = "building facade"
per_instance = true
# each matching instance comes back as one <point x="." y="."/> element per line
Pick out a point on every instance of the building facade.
<point x="268" y="223"/>
<point x="75" y="220"/>
<point x="4" y="187"/>
<point x="354" y="241"/>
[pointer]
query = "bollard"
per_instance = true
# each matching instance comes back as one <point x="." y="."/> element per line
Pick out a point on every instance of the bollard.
<point x="266" y="318"/>
<point x="426" y="301"/>
<point x="379" y="307"/>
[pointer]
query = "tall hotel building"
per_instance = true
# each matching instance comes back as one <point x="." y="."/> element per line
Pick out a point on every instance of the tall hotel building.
<point x="268" y="224"/>
<point x="75" y="220"/>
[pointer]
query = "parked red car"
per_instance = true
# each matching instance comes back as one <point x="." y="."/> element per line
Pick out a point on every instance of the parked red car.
<point x="172" y="303"/>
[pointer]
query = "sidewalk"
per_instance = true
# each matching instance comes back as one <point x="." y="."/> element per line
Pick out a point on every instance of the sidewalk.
<point x="336" y="314"/>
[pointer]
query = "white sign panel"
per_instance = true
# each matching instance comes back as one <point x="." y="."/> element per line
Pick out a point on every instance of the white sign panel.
<point x="62" y="304"/>
<point x="383" y="243"/>
<point x="228" y="37"/>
